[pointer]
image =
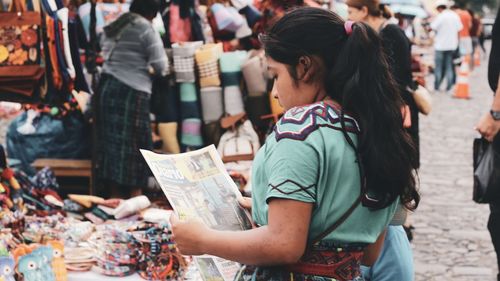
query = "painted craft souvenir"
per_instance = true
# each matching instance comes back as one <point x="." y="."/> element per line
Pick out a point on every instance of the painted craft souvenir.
<point x="28" y="267"/>
<point x="7" y="265"/>
<point x="58" y="265"/>
<point x="45" y="265"/>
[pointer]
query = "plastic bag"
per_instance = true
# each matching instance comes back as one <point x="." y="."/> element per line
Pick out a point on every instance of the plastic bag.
<point x="486" y="170"/>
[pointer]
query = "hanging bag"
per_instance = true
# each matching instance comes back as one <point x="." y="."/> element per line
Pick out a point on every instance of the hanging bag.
<point x="20" y="71"/>
<point x="486" y="170"/>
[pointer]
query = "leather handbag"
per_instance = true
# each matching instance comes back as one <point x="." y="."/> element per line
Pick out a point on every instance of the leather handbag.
<point x="20" y="72"/>
<point x="486" y="170"/>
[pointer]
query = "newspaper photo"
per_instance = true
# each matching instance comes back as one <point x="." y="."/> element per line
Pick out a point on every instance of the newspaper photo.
<point x="198" y="186"/>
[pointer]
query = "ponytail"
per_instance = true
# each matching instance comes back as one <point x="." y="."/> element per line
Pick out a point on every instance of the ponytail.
<point x="360" y="80"/>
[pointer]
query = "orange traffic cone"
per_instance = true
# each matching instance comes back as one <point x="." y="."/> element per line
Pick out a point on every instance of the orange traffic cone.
<point x="477" y="58"/>
<point x="462" y="87"/>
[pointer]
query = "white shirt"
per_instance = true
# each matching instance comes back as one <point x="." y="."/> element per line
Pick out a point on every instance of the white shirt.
<point x="447" y="25"/>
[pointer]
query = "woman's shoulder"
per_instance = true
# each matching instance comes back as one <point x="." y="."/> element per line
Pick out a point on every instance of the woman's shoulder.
<point x="301" y="121"/>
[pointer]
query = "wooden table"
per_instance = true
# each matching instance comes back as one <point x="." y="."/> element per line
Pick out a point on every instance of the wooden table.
<point x="67" y="168"/>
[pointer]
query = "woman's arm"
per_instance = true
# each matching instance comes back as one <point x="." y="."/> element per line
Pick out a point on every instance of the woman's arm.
<point x="282" y="241"/>
<point x="157" y="58"/>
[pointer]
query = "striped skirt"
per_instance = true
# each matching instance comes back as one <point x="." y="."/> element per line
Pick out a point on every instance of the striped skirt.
<point x="123" y="127"/>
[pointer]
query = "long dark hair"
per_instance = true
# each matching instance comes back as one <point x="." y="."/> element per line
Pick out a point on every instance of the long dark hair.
<point x="355" y="74"/>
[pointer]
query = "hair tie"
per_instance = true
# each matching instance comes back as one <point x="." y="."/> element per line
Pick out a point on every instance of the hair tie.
<point x="348" y="27"/>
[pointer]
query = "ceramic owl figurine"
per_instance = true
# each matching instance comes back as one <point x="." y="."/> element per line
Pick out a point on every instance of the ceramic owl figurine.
<point x="45" y="266"/>
<point x="7" y="265"/>
<point x="58" y="261"/>
<point x="28" y="267"/>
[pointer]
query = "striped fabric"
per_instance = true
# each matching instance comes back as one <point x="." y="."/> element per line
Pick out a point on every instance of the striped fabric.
<point x="207" y="58"/>
<point x="184" y="61"/>
<point x="230" y="65"/>
<point x="191" y="135"/>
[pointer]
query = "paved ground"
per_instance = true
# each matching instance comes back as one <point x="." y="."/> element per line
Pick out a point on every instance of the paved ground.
<point x="451" y="239"/>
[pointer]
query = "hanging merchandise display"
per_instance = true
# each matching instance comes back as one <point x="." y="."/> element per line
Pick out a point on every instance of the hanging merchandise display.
<point x="191" y="136"/>
<point x="230" y="65"/>
<point x="207" y="57"/>
<point x="183" y="54"/>
<point x="211" y="103"/>
<point x="20" y="71"/>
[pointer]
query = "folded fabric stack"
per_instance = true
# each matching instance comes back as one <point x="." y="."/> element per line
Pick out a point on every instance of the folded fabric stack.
<point x="191" y="137"/>
<point x="184" y="66"/>
<point x="165" y="105"/>
<point x="98" y="210"/>
<point x="184" y="61"/>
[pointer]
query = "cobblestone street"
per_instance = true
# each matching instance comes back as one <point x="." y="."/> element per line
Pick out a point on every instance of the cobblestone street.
<point x="451" y="239"/>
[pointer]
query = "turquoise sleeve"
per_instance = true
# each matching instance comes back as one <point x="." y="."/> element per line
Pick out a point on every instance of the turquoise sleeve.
<point x="293" y="169"/>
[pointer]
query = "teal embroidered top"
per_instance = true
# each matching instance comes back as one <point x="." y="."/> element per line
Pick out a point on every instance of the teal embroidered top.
<point x="307" y="159"/>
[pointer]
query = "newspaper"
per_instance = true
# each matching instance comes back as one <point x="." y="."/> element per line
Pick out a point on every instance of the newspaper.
<point x="197" y="185"/>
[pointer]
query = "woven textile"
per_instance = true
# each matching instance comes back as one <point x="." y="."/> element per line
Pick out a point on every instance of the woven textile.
<point x="207" y="60"/>
<point x="230" y="65"/>
<point x="211" y="104"/>
<point x="233" y="100"/>
<point x="191" y="133"/>
<point x="123" y="127"/>
<point x="324" y="262"/>
<point x="184" y="61"/>
<point x="191" y="136"/>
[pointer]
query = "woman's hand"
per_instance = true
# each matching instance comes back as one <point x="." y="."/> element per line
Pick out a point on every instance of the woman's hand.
<point x="245" y="202"/>
<point x="189" y="235"/>
<point x="488" y="127"/>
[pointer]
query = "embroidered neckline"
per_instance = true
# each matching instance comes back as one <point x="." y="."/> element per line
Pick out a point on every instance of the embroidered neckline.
<point x="328" y="111"/>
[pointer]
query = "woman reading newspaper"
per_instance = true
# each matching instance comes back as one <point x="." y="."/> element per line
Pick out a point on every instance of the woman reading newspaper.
<point x="328" y="179"/>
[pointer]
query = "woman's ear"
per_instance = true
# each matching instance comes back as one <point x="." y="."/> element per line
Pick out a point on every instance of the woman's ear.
<point x="364" y="12"/>
<point x="304" y="69"/>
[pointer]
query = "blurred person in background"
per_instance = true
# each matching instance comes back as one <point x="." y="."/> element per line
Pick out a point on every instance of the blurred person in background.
<point x="131" y="48"/>
<point x="475" y="31"/>
<point x="446" y="26"/>
<point x="464" y="37"/>
<point x="489" y="125"/>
